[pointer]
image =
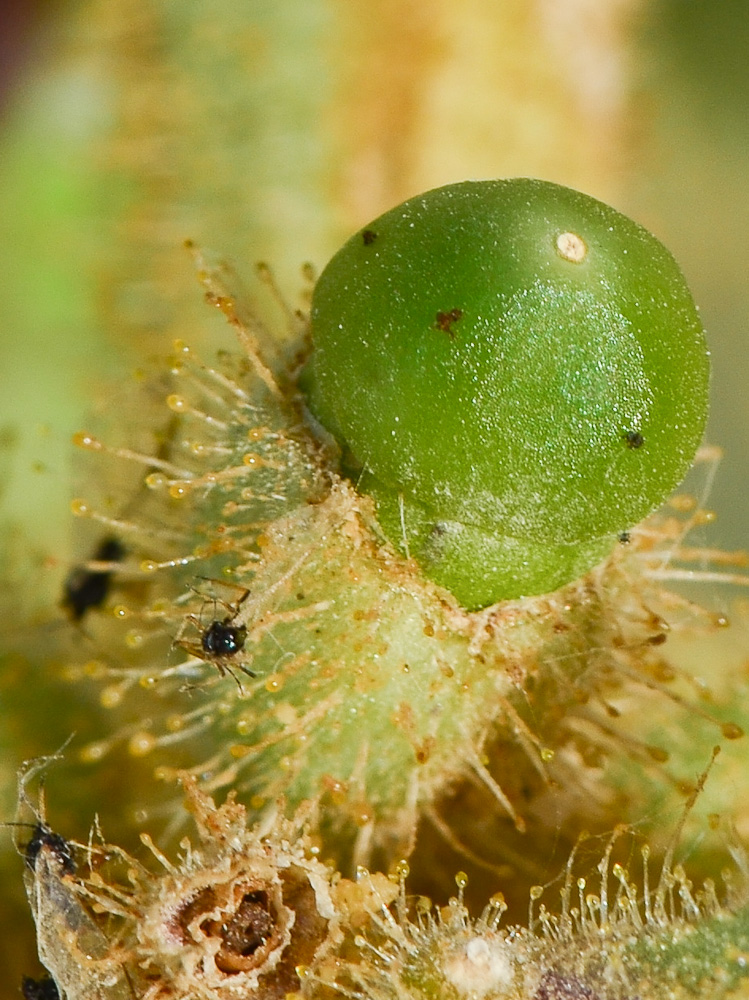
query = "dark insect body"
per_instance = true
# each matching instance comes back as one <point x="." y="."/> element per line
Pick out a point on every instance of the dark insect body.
<point x="221" y="638"/>
<point x="44" y="837"/>
<point x="84" y="588"/>
<point x="220" y="641"/>
<point x="39" y="989"/>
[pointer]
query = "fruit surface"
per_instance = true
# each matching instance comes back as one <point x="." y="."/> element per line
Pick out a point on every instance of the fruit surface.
<point x="516" y="372"/>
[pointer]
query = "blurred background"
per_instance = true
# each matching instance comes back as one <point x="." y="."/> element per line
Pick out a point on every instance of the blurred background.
<point x="270" y="130"/>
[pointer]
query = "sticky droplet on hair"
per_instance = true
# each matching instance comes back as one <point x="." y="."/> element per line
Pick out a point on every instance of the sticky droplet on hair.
<point x="176" y="403"/>
<point x="141" y="744"/>
<point x="83" y="440"/>
<point x="731" y="731"/>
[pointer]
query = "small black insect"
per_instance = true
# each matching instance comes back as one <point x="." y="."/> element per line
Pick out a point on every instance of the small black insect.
<point x="368" y="237"/>
<point x="221" y="638"/>
<point x="220" y="641"/>
<point x="633" y="439"/>
<point x="87" y="588"/>
<point x="39" y="989"/>
<point x="44" y="837"/>
<point x="624" y="537"/>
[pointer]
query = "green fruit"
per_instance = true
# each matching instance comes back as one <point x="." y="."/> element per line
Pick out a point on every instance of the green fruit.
<point x="516" y="372"/>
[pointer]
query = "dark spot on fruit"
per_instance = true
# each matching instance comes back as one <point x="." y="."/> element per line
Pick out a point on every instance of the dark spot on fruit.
<point x="634" y="439"/>
<point x="444" y="321"/>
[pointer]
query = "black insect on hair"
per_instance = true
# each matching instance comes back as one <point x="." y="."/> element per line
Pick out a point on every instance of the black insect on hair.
<point x="633" y="439"/>
<point x="86" y="588"/>
<point x="41" y="837"/>
<point x="220" y="641"/>
<point x="222" y="638"/>
<point x="39" y="989"/>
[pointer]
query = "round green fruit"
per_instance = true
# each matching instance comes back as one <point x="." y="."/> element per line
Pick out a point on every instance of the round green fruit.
<point x="516" y="372"/>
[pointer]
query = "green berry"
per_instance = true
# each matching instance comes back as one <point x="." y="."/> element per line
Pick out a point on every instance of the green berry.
<point x="516" y="372"/>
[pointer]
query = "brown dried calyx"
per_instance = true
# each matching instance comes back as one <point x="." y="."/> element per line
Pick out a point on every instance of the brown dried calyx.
<point x="253" y="925"/>
<point x="247" y="930"/>
<point x="237" y="916"/>
<point x="245" y="933"/>
<point x="242" y="913"/>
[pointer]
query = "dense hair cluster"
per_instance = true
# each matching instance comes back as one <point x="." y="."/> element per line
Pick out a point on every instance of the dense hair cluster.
<point x="251" y="911"/>
<point x="257" y="633"/>
<point x="350" y="679"/>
